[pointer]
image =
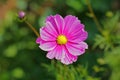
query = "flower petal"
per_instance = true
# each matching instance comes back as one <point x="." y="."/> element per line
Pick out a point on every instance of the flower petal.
<point x="52" y="29"/>
<point x="50" y="21"/>
<point x="75" y="26"/>
<point x="73" y="58"/>
<point x="56" y="53"/>
<point x="76" y="49"/>
<point x="78" y="36"/>
<point x="59" y="23"/>
<point x="46" y="36"/>
<point x="68" y="58"/>
<point x="38" y="40"/>
<point x="69" y="20"/>
<point x="50" y="55"/>
<point x="47" y="46"/>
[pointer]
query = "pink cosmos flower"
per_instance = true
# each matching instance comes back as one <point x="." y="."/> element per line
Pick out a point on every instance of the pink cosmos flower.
<point x="63" y="38"/>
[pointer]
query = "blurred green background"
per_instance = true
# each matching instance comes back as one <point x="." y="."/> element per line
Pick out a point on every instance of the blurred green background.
<point x="21" y="58"/>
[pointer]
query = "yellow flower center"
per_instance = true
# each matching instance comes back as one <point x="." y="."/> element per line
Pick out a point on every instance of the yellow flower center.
<point x="61" y="39"/>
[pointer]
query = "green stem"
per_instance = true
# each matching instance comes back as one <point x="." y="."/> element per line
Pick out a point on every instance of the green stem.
<point x="93" y="14"/>
<point x="32" y="28"/>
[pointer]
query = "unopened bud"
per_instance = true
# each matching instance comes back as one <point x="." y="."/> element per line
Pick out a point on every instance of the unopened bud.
<point x="21" y="14"/>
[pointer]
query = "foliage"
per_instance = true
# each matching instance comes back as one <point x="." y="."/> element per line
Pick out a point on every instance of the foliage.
<point x="110" y="34"/>
<point x="63" y="72"/>
<point x="109" y="41"/>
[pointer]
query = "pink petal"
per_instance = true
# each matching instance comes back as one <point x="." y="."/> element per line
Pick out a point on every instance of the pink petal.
<point x="51" y="28"/>
<point x="46" y="36"/>
<point x="52" y="24"/>
<point x="78" y="36"/>
<point x="38" y="40"/>
<point x="76" y="49"/>
<point x="47" y="46"/>
<point x="83" y="45"/>
<point x="59" y="23"/>
<point x="68" y="58"/>
<point x="50" y="55"/>
<point x="69" y="20"/>
<point x="73" y="58"/>
<point x="57" y="53"/>
<point x="75" y="26"/>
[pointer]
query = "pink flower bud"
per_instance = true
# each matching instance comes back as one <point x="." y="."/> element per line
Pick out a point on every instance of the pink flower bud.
<point x="21" y="14"/>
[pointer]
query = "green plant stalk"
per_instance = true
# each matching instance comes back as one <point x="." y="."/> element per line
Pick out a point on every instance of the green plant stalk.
<point x="32" y="28"/>
<point x="94" y="17"/>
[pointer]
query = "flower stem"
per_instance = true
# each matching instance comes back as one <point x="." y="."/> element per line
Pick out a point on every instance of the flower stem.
<point x="93" y="14"/>
<point x="32" y="28"/>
